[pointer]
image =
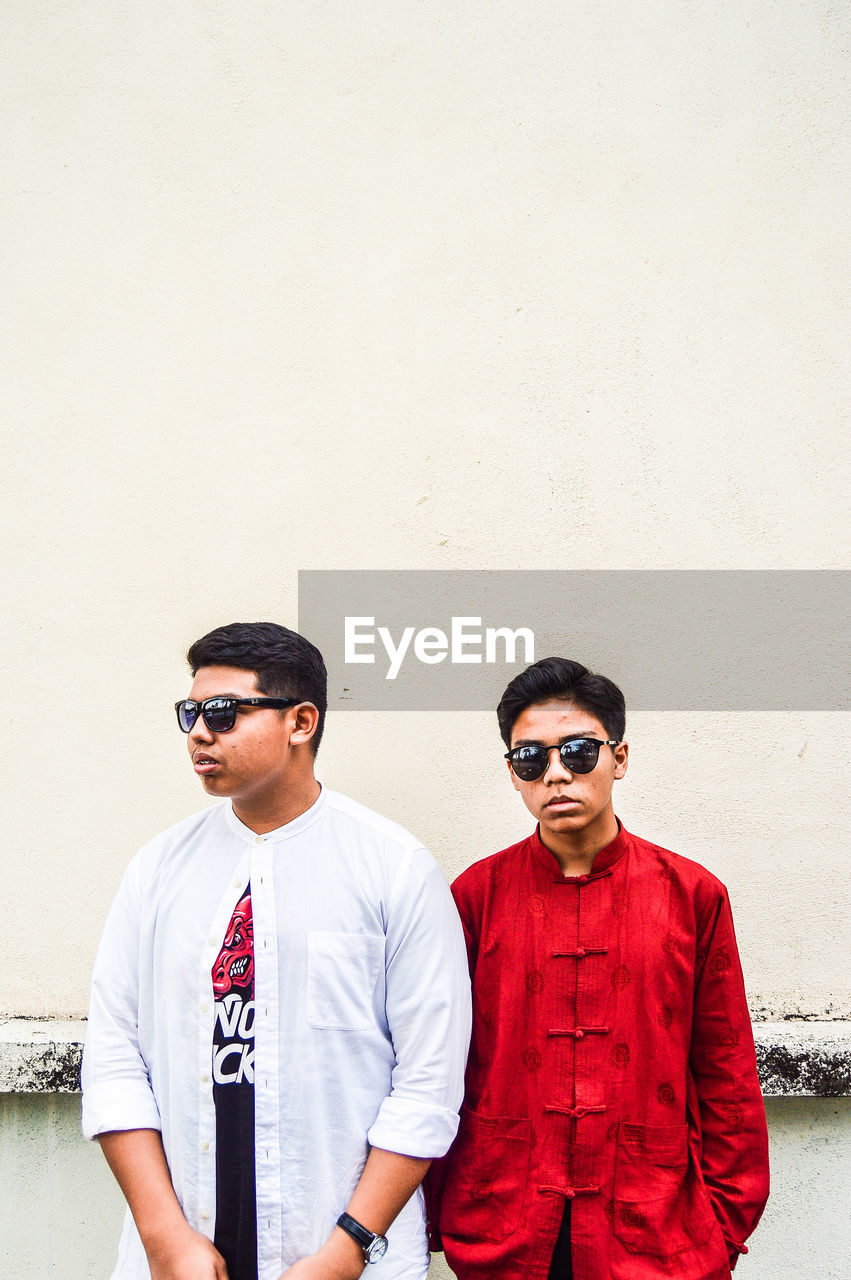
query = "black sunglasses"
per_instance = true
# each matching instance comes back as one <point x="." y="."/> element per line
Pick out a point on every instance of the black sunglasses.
<point x="577" y="755"/>
<point x="220" y="713"/>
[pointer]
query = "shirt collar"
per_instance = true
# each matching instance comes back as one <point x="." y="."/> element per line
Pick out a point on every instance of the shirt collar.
<point x="285" y="832"/>
<point x="603" y="862"/>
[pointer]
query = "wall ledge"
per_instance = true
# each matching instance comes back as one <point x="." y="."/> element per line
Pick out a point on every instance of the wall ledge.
<point x="795" y="1058"/>
<point x="40" y="1055"/>
<point x="804" y="1059"/>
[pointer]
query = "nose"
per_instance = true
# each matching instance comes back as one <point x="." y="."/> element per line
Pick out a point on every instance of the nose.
<point x="200" y="733"/>
<point x="555" y="770"/>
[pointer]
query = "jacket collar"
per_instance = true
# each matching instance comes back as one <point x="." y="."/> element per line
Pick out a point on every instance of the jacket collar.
<point x="603" y="862"/>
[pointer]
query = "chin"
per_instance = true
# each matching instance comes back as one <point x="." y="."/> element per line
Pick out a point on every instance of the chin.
<point x="214" y="787"/>
<point x="567" y="823"/>
<point x="570" y="818"/>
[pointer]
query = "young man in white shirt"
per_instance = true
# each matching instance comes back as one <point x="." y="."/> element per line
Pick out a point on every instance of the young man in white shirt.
<point x="280" y="1004"/>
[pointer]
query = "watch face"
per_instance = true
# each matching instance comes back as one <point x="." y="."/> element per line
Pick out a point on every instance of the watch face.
<point x="377" y="1249"/>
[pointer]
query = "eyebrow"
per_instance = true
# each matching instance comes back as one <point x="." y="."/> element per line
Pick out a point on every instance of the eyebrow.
<point x="225" y="695"/>
<point x="539" y="742"/>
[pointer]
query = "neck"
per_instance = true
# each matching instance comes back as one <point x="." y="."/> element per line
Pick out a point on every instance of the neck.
<point x="575" y="851"/>
<point x="262" y="814"/>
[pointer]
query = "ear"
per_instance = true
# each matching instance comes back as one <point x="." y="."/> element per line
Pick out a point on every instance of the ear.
<point x="621" y="754"/>
<point x="305" y="721"/>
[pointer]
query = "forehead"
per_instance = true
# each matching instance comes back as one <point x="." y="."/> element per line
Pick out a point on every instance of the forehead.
<point x="211" y="682"/>
<point x="553" y="721"/>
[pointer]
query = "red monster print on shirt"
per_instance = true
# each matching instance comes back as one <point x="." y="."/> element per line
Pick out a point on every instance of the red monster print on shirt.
<point x="234" y="965"/>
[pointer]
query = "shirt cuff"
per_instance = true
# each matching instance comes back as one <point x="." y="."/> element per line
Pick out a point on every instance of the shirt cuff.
<point x="435" y="1240"/>
<point x="118" y="1105"/>
<point x="413" y="1128"/>
<point x="734" y="1248"/>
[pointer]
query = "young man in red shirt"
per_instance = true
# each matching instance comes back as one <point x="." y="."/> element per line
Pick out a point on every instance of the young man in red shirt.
<point x="613" y="1126"/>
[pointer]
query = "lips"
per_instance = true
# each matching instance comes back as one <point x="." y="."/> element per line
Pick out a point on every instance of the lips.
<point x="204" y="764"/>
<point x="561" y="802"/>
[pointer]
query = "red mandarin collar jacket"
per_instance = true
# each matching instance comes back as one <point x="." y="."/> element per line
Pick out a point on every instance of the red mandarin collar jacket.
<point x="612" y="1063"/>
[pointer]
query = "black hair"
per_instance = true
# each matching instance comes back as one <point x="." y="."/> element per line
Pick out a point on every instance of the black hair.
<point x="566" y="681"/>
<point x="285" y="664"/>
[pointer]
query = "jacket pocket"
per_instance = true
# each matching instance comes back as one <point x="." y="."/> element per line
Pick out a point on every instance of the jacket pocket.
<point x="660" y="1205"/>
<point x="485" y="1189"/>
<point x="342" y="970"/>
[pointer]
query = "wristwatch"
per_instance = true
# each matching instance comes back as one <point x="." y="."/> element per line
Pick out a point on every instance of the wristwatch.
<point x="374" y="1247"/>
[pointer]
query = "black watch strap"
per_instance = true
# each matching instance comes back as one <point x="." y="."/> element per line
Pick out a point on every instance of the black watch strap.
<point x="374" y="1246"/>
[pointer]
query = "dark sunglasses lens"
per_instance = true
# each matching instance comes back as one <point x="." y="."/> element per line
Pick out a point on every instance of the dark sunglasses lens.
<point x="187" y="714"/>
<point x="220" y="714"/>
<point x="529" y="763"/>
<point x="580" y="756"/>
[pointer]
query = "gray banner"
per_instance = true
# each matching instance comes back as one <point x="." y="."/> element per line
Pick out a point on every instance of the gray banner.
<point x="738" y="640"/>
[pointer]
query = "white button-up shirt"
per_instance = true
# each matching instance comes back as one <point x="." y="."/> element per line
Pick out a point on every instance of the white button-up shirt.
<point x="362" y="1017"/>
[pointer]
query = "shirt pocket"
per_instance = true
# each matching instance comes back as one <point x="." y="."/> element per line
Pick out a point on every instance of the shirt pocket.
<point x="342" y="972"/>
<point x="485" y="1190"/>
<point x="660" y="1204"/>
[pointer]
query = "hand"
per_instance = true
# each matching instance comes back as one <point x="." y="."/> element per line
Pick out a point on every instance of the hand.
<point x="315" y="1268"/>
<point x="341" y="1258"/>
<point x="174" y="1250"/>
<point x="186" y="1256"/>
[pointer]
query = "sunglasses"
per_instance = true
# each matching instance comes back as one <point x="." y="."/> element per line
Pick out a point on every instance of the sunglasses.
<point x="220" y="713"/>
<point x="577" y="755"/>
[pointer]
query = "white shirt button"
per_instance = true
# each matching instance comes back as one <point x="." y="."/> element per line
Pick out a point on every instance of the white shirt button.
<point x="205" y="1079"/>
<point x="258" y="839"/>
<point x="204" y="1215"/>
<point x="211" y="942"/>
<point x="205" y="1146"/>
<point x="204" y="1006"/>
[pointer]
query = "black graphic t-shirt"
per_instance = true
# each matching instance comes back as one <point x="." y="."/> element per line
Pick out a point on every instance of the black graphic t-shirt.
<point x="233" y="1094"/>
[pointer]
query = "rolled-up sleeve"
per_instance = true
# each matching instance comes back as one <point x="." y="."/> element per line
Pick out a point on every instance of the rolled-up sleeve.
<point x="116" y="1084"/>
<point x="428" y="1012"/>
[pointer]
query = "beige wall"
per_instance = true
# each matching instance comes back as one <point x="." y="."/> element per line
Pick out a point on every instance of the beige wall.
<point x="407" y="285"/>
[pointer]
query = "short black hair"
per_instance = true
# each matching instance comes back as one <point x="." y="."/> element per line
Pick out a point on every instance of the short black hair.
<point x="285" y="664"/>
<point x="566" y="681"/>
